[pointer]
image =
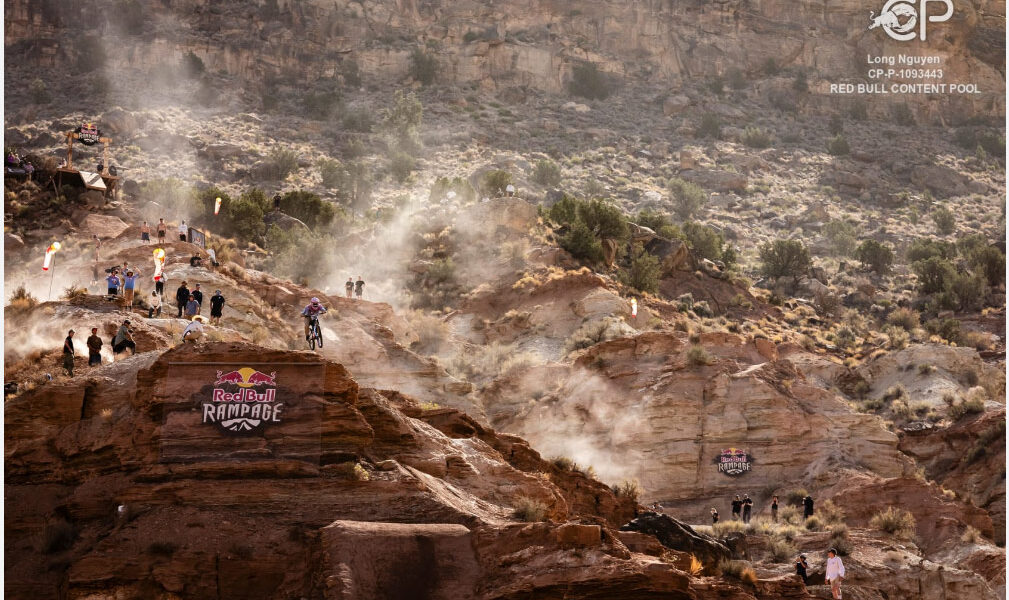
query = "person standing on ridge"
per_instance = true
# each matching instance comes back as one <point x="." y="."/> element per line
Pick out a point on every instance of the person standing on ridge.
<point x="68" y="353"/>
<point x="216" y="307"/>
<point x="196" y="293"/>
<point x="737" y="505"/>
<point x="807" y="507"/>
<point x="181" y="297"/>
<point x="747" y="508"/>
<point x="350" y="286"/>
<point x="162" y="230"/>
<point x="774" y="508"/>
<point x="113" y="282"/>
<point x="129" y="285"/>
<point x="94" y="348"/>
<point x="145" y="233"/>
<point x="835" y="573"/>
<point x="714" y="515"/>
<point x="183" y="232"/>
<point x="192" y="307"/>
<point x="800" y="568"/>
<point x="159" y="284"/>
<point x="359" y="287"/>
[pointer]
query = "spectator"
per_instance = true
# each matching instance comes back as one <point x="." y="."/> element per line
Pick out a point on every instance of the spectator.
<point x="68" y="353"/>
<point x="94" y="348"/>
<point x="181" y="297"/>
<point x="113" y="282"/>
<point x="196" y="293"/>
<point x="154" y="306"/>
<point x="129" y="284"/>
<point x="714" y="515"/>
<point x="807" y="507"/>
<point x="510" y="190"/>
<point x="216" y="307"/>
<point x="747" y="508"/>
<point x="29" y="169"/>
<point x="124" y="339"/>
<point x="194" y="331"/>
<point x="350" y="287"/>
<point x="737" y="505"/>
<point x="800" y="568"/>
<point x="159" y="284"/>
<point x="835" y="573"/>
<point x="145" y="233"/>
<point x="196" y="261"/>
<point x="192" y="307"/>
<point x="122" y="277"/>
<point x="183" y="232"/>
<point x="162" y="228"/>
<point x="359" y="287"/>
<point x="774" y="508"/>
<point x="213" y="257"/>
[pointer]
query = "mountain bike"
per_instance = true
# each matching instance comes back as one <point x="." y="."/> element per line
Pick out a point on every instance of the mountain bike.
<point x="314" y="333"/>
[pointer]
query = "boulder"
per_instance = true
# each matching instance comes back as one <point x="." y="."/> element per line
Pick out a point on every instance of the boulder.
<point x="940" y="180"/>
<point x="13" y="242"/>
<point x="676" y="535"/>
<point x="674" y="105"/>
<point x="104" y="226"/>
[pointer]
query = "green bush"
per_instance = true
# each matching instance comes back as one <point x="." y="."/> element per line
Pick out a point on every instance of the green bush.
<point x="717" y="86"/>
<point x="895" y="521"/>
<point x="331" y="172"/>
<point x="990" y="262"/>
<point x="280" y="163"/>
<point x="838" y="145"/>
<point x="877" y="256"/>
<point x="581" y="243"/>
<point x="495" y="182"/>
<point x="358" y="119"/>
<point x="968" y="289"/>
<point x="904" y="318"/>
<point x="710" y="127"/>
<point x="604" y="219"/>
<point x="781" y="551"/>
<point x="401" y="123"/>
<point x="423" y="67"/>
<point x="401" y="165"/>
<point x="309" y="208"/>
<point x="945" y="222"/>
<point x="564" y="211"/>
<point x="934" y="274"/>
<point x="659" y="223"/>
<point x="547" y="173"/>
<point x="925" y="248"/>
<point x="703" y="240"/>
<point x="965" y="407"/>
<point x="443" y="185"/>
<point x="644" y="271"/>
<point x="588" y="82"/>
<point x="351" y="73"/>
<point x="841" y="235"/>
<point x="687" y="197"/>
<point x="755" y="137"/>
<point x="784" y="258"/>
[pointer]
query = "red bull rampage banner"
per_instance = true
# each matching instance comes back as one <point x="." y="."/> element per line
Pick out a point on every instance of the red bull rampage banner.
<point x="733" y="462"/>
<point x="243" y="401"/>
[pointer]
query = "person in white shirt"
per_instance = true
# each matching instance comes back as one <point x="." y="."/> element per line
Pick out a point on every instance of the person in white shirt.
<point x="193" y="331"/>
<point x="183" y="232"/>
<point x="835" y="573"/>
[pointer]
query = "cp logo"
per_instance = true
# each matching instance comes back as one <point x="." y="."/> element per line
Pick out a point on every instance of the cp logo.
<point x="899" y="18"/>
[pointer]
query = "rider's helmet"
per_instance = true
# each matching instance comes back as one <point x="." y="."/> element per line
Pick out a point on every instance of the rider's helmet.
<point x="315" y="300"/>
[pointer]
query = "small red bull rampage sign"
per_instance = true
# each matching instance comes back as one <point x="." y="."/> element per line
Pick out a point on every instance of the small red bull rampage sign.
<point x="243" y="401"/>
<point x="734" y="462"/>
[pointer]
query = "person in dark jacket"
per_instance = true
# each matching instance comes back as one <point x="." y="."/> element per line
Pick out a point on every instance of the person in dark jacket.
<point x="68" y="353"/>
<point x="807" y="507"/>
<point x="359" y="287"/>
<point x="737" y="506"/>
<point x="800" y="567"/>
<point x="181" y="297"/>
<point x="747" y="508"/>
<point x="774" y="508"/>
<point x="216" y="307"/>
<point x="94" y="348"/>
<point x="196" y="293"/>
<point x="123" y="339"/>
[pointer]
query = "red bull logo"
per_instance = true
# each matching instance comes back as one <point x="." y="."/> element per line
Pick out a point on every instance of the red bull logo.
<point x="733" y="461"/>
<point x="243" y="401"/>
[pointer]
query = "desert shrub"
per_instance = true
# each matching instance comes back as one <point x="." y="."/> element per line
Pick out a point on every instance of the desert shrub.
<point x="710" y="127"/>
<point x="794" y="497"/>
<point x="717" y="85"/>
<point x="781" y="551"/>
<point x="947" y="329"/>
<point x="604" y="219"/>
<point x="698" y="356"/>
<point x="838" y="531"/>
<point x="564" y="463"/>
<point x="423" y="66"/>
<point x="353" y="183"/>
<point x="401" y="166"/>
<point x="988" y="261"/>
<point x="192" y="65"/>
<point x="904" y="318"/>
<point x="307" y="207"/>
<point x="964" y="407"/>
<point x="629" y="488"/>
<point x="401" y="123"/>
<point x="38" y="92"/>
<point x="495" y="182"/>
<point x="925" y="248"/>
<point x="754" y="137"/>
<point x="841" y="235"/>
<point x="687" y="197"/>
<point x="971" y="535"/>
<point x="703" y="240"/>
<point x="968" y="289"/>
<point x="898" y="339"/>
<point x="895" y="392"/>
<point x="280" y="163"/>
<point x="902" y="115"/>
<point x="723" y="528"/>
<point x="784" y="258"/>
<point x="659" y="223"/>
<point x="827" y="304"/>
<point x="813" y="523"/>
<point x="443" y="185"/>
<point x="926" y="369"/>
<point x="934" y="274"/>
<point x="836" y="125"/>
<point x="877" y="256"/>
<point x="895" y="521"/>
<point x="872" y="405"/>
<point x="331" y="172"/>
<point x="21" y="299"/>
<point x="594" y="332"/>
<point x="581" y="243"/>
<point x="790" y="514"/>
<point x="838" y="145"/>
<point x="696" y="567"/>
<point x="945" y="222"/>
<point x="644" y="271"/>
<point x="547" y="173"/>
<point x="736" y="79"/>
<point x="74" y="293"/>
<point x="843" y="545"/>
<point x="358" y="119"/>
<point x="801" y="82"/>
<point x="588" y="82"/>
<point x="489" y="362"/>
<point x="58" y="536"/>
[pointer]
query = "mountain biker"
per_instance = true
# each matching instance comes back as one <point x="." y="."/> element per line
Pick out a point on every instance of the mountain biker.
<point x="312" y="311"/>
